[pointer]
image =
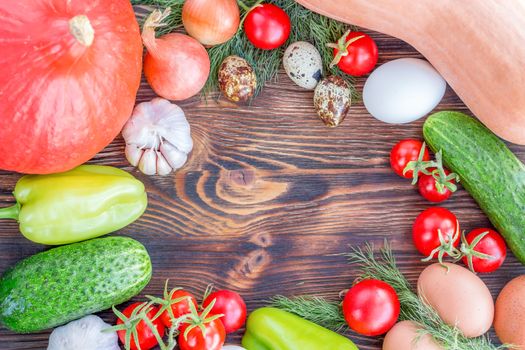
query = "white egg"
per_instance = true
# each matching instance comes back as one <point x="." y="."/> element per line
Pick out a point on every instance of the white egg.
<point x="232" y="347"/>
<point x="403" y="90"/>
<point x="303" y="64"/>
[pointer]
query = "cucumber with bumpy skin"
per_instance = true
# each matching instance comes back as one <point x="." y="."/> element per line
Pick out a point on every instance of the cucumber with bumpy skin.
<point x="488" y="170"/>
<point x="65" y="283"/>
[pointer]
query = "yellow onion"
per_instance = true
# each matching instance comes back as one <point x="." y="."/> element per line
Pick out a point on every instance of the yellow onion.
<point x="211" y="22"/>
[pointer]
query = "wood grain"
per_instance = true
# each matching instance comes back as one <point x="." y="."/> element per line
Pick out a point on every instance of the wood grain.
<point x="268" y="196"/>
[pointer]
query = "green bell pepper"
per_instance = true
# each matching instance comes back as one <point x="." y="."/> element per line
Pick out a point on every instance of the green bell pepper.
<point x="273" y="329"/>
<point x="83" y="203"/>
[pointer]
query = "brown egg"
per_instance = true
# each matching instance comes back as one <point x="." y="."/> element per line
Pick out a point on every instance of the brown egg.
<point x="237" y="80"/>
<point x="404" y="336"/>
<point x="509" y="322"/>
<point x="332" y="100"/>
<point x="459" y="296"/>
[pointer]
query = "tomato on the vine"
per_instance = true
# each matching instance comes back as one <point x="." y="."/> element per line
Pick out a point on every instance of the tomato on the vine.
<point x="436" y="233"/>
<point x="404" y="152"/>
<point x="229" y="304"/>
<point x="355" y="53"/>
<point x="267" y="26"/>
<point x="192" y="337"/>
<point x="484" y="250"/>
<point x="146" y="337"/>
<point x="427" y="185"/>
<point x="179" y="308"/>
<point x="371" y="307"/>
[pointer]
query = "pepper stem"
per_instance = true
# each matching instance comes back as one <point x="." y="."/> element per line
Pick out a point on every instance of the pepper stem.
<point x="10" y="212"/>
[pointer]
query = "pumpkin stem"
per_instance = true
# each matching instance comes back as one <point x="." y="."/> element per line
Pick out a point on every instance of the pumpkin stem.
<point x="80" y="27"/>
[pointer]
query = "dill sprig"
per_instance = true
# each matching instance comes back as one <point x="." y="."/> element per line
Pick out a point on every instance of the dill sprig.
<point x="315" y="309"/>
<point x="384" y="268"/>
<point x="306" y="26"/>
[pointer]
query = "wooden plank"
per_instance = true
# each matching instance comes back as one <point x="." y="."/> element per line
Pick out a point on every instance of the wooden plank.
<point x="268" y="196"/>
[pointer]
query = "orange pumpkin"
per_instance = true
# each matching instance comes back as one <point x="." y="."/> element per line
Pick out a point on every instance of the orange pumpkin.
<point x="69" y="74"/>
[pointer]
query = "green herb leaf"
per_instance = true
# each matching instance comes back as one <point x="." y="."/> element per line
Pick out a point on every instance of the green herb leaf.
<point x="306" y="26"/>
<point x="384" y="268"/>
<point x="314" y="309"/>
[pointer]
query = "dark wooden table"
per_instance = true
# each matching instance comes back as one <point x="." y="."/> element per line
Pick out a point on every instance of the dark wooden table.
<point x="267" y="198"/>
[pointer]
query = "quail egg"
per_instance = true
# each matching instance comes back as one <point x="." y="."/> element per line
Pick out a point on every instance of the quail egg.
<point x="237" y="80"/>
<point x="332" y="100"/>
<point x="303" y="64"/>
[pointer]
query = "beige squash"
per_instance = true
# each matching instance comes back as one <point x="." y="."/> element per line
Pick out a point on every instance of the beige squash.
<point x="477" y="46"/>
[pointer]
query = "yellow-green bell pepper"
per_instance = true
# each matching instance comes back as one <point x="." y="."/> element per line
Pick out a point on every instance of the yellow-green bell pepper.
<point x="273" y="329"/>
<point x="83" y="203"/>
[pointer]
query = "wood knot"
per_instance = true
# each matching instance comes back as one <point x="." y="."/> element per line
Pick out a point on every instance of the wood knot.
<point x="242" y="177"/>
<point x="262" y="239"/>
<point x="247" y="271"/>
<point x="249" y="188"/>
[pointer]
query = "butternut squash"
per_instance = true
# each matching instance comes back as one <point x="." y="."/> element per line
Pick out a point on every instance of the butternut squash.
<point x="478" y="46"/>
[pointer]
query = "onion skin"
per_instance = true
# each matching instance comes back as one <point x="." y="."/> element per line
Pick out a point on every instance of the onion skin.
<point x="211" y="22"/>
<point x="176" y="66"/>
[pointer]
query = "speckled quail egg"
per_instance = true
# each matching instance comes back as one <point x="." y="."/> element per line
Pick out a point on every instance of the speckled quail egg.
<point x="303" y="64"/>
<point x="332" y="100"/>
<point x="237" y="80"/>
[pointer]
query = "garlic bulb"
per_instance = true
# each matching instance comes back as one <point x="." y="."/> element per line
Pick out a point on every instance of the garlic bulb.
<point x="158" y="137"/>
<point x="83" y="334"/>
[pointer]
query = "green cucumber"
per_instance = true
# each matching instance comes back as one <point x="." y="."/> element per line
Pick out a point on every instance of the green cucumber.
<point x="488" y="170"/>
<point x="65" y="283"/>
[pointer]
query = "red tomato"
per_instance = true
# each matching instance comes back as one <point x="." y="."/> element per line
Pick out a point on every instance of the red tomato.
<point x="213" y="339"/>
<point x="231" y="305"/>
<point x="267" y="26"/>
<point x="484" y="249"/>
<point x="406" y="151"/>
<point x="355" y="53"/>
<point x="427" y="188"/>
<point x="146" y="337"/>
<point x="371" y="307"/>
<point x="429" y="226"/>
<point x="179" y="309"/>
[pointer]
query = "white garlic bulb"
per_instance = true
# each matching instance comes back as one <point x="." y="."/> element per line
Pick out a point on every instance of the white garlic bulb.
<point x="158" y="137"/>
<point x="83" y="334"/>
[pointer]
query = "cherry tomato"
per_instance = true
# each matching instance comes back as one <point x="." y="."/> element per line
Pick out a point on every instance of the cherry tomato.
<point x="371" y="307"/>
<point x="213" y="339"/>
<point x="147" y="339"/>
<point x="429" y="226"/>
<point x="231" y="305"/>
<point x="355" y="53"/>
<point x="267" y="26"/>
<point x="404" y="152"/>
<point x="484" y="250"/>
<point x="427" y="188"/>
<point x="179" y="309"/>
